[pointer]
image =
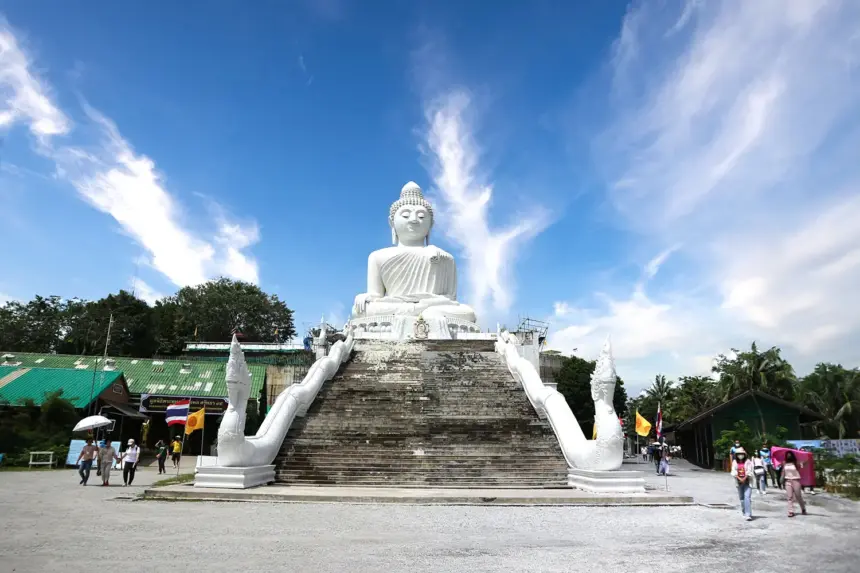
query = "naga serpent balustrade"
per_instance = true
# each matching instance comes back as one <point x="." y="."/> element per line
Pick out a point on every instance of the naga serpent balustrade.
<point x="604" y="453"/>
<point x="237" y="450"/>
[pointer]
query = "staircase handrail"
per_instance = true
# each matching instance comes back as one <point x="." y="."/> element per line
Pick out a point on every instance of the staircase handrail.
<point x="604" y="453"/>
<point x="237" y="450"/>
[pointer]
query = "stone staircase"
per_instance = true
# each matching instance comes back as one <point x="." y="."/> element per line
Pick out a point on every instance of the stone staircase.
<point x="422" y="414"/>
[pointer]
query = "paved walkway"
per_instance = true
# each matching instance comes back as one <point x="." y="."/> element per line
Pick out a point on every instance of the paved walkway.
<point x="49" y="523"/>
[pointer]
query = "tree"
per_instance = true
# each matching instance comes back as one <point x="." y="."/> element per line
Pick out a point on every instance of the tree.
<point x="661" y="390"/>
<point x="694" y="395"/>
<point x="574" y="383"/>
<point x="213" y="311"/>
<point x="754" y="370"/>
<point x="132" y="333"/>
<point x="833" y="392"/>
<point x="33" y="327"/>
<point x="750" y="440"/>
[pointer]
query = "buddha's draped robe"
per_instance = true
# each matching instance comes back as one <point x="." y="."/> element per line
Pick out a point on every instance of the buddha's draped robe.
<point x="420" y="280"/>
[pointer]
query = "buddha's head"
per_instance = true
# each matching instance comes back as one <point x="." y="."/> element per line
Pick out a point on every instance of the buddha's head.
<point x="411" y="217"/>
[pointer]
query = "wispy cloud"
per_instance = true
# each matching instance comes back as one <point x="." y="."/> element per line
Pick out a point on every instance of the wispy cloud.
<point x="489" y="252"/>
<point x="143" y="291"/>
<point x="24" y="97"/>
<point x="741" y="142"/>
<point x="653" y="266"/>
<point x="115" y="179"/>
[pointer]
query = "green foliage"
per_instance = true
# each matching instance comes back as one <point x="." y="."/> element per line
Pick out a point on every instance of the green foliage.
<point x="35" y="326"/>
<point x="750" y="440"/>
<point x="215" y="309"/>
<point x="211" y="310"/>
<point x="574" y="383"/>
<point x="132" y="333"/>
<point x="838" y="474"/>
<point x="834" y="392"/>
<point x="26" y="427"/>
<point x="753" y="370"/>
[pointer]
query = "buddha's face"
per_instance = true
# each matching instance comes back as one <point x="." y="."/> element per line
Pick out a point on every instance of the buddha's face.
<point x="412" y="223"/>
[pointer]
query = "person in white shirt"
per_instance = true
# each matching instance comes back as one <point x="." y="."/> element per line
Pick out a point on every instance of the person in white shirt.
<point x="130" y="457"/>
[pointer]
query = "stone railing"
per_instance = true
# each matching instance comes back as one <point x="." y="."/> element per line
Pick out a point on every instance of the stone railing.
<point x="605" y="453"/>
<point x="237" y="450"/>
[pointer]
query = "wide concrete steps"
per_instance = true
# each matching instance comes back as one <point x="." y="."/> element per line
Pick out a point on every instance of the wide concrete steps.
<point x="426" y="414"/>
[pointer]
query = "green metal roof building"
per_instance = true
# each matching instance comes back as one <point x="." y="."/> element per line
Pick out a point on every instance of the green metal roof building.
<point x="182" y="378"/>
<point x="19" y="384"/>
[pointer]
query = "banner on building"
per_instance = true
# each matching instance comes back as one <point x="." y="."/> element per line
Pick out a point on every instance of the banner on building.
<point x="150" y="403"/>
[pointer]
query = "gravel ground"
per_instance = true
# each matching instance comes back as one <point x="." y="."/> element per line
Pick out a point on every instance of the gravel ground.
<point x="49" y="523"/>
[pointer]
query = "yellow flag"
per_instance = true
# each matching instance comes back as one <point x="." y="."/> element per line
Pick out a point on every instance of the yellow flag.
<point x="195" y="421"/>
<point x="643" y="426"/>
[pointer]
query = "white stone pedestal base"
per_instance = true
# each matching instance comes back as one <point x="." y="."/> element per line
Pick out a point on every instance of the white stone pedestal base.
<point x="233" y="478"/>
<point x="397" y="327"/>
<point x="619" y="481"/>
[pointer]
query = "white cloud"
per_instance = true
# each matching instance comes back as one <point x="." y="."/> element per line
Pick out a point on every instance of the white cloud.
<point x="124" y="184"/>
<point x="24" y="97"/>
<point x="488" y="252"/>
<point x="4" y="298"/>
<point x="736" y="133"/>
<point x="145" y="292"/>
<point x="654" y="264"/>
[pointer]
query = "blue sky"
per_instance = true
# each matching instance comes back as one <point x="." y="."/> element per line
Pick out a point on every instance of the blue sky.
<point x="680" y="175"/>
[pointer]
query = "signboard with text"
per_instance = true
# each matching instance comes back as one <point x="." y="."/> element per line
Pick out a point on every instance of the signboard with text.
<point x="150" y="403"/>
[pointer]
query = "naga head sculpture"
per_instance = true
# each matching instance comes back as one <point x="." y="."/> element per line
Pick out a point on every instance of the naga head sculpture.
<point x="238" y="376"/>
<point x="411" y="217"/>
<point x="603" y="378"/>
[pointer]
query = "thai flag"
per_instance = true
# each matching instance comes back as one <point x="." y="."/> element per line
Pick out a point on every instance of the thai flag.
<point x="659" y="421"/>
<point x="177" y="413"/>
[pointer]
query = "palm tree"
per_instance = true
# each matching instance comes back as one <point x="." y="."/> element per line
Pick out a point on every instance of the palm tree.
<point x="834" y="392"/>
<point x="661" y="390"/>
<point x="694" y="395"/>
<point x="753" y="370"/>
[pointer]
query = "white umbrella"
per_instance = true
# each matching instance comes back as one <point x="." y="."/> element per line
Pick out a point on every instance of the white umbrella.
<point x="91" y="423"/>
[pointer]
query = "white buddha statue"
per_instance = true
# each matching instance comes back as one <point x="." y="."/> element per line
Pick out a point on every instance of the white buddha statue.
<point x="412" y="278"/>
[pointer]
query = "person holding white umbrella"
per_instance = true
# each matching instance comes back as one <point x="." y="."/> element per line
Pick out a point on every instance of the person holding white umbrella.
<point x="85" y="460"/>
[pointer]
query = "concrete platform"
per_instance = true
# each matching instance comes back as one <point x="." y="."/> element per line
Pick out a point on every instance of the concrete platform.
<point x="429" y="496"/>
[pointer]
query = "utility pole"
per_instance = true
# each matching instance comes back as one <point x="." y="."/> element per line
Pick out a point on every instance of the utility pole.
<point x="95" y="364"/>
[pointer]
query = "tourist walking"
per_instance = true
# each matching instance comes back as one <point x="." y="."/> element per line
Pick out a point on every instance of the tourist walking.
<point x="768" y="463"/>
<point x="664" y="464"/>
<point x="107" y="457"/>
<point x="658" y="455"/>
<point x="791" y="481"/>
<point x="85" y="460"/>
<point x="130" y="457"/>
<point x="644" y="452"/>
<point x="176" y="446"/>
<point x="760" y="473"/>
<point x="734" y="449"/>
<point x="161" y="455"/>
<point x="742" y="471"/>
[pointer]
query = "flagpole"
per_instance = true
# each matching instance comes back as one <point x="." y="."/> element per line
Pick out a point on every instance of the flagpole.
<point x="181" y="449"/>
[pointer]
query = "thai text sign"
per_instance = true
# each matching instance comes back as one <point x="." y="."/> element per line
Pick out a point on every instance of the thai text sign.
<point x="150" y="403"/>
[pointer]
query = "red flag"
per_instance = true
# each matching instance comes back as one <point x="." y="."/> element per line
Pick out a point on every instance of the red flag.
<point x="659" y="422"/>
